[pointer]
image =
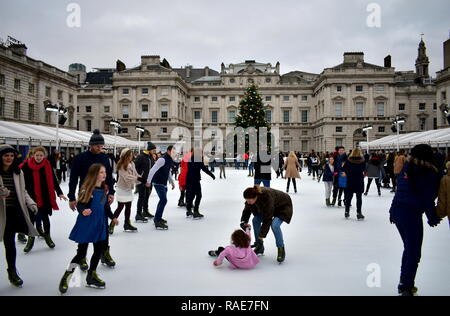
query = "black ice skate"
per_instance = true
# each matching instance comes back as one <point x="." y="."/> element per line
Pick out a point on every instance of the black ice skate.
<point x="259" y="248"/>
<point x="83" y="265"/>
<point x="22" y="238"/>
<point x="181" y="203"/>
<point x="148" y="215"/>
<point x="197" y="215"/>
<point x="49" y="241"/>
<point x="92" y="280"/>
<point x="64" y="284"/>
<point x="360" y="217"/>
<point x="141" y="218"/>
<point x="30" y="245"/>
<point x="281" y="255"/>
<point x="14" y="278"/>
<point x="403" y="291"/>
<point x="347" y="213"/>
<point x="189" y="213"/>
<point x="40" y="231"/>
<point x="107" y="259"/>
<point x="128" y="227"/>
<point x="161" y="225"/>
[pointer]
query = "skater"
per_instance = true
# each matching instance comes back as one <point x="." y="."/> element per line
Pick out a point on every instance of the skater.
<point x="328" y="179"/>
<point x="158" y="177"/>
<point x="280" y="165"/>
<point x="240" y="254"/>
<point x="443" y="207"/>
<point x="292" y="166"/>
<point x="14" y="204"/>
<point x="263" y="169"/>
<point x="222" y="166"/>
<point x="374" y="171"/>
<point x="417" y="189"/>
<point x="182" y="178"/>
<point x="193" y="186"/>
<point x="354" y="169"/>
<point x="144" y="162"/>
<point x="399" y="162"/>
<point x="91" y="225"/>
<point x="390" y="170"/>
<point x="41" y="185"/>
<point x="315" y="163"/>
<point x="80" y="167"/>
<point x="251" y="166"/>
<point x="270" y="209"/>
<point x="175" y="169"/>
<point x="128" y="177"/>
<point x="338" y="186"/>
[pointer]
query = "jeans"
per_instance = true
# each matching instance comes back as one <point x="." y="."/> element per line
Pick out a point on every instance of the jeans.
<point x="265" y="182"/>
<point x="144" y="194"/>
<point x="276" y="229"/>
<point x="161" y="190"/>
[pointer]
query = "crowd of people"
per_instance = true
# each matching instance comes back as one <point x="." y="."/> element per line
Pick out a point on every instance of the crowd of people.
<point x="29" y="191"/>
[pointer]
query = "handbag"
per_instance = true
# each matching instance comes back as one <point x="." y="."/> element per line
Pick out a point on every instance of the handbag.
<point x="342" y="182"/>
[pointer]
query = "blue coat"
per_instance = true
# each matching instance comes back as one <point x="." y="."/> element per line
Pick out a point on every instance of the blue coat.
<point x="92" y="228"/>
<point x="328" y="176"/>
<point x="354" y="168"/>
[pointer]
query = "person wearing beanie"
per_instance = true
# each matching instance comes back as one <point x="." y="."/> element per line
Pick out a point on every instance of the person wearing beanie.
<point x="144" y="162"/>
<point x="80" y="166"/>
<point x="417" y="190"/>
<point x="443" y="207"/>
<point x="14" y="205"/>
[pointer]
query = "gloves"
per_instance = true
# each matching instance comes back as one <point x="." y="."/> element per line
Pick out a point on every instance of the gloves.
<point x="214" y="177"/>
<point x="433" y="218"/>
<point x="244" y="226"/>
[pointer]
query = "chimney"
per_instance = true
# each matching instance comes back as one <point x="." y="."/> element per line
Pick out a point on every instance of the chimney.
<point x="206" y="71"/>
<point x="447" y="54"/>
<point x="388" y="61"/>
<point x="19" y="49"/>
<point x="188" y="71"/>
<point x="150" y="60"/>
<point x="353" y="57"/>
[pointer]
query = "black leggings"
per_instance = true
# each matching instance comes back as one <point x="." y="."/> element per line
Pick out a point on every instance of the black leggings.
<point x="191" y="194"/>
<point x="9" y="242"/>
<point x="377" y="181"/>
<point x="119" y="209"/>
<point x="289" y="184"/>
<point x="99" y="248"/>
<point x="337" y="191"/>
<point x="315" y="171"/>
<point x="42" y="217"/>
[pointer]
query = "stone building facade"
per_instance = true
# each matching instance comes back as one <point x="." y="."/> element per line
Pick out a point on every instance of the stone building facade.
<point x="26" y="83"/>
<point x="443" y="88"/>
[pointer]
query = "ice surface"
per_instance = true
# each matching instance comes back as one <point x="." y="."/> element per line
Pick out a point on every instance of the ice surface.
<point x="326" y="254"/>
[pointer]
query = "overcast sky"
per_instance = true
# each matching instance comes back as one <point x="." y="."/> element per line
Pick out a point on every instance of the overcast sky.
<point x="301" y="35"/>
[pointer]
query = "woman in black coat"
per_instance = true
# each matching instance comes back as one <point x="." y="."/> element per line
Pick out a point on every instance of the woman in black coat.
<point x="354" y="169"/>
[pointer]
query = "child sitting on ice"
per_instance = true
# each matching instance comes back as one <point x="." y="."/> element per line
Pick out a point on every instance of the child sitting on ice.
<point x="239" y="254"/>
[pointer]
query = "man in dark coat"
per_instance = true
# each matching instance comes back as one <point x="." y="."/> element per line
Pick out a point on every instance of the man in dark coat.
<point x="354" y="169"/>
<point x="263" y="169"/>
<point x="144" y="162"/>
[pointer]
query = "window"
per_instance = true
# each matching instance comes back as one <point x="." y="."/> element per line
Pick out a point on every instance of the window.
<point x="125" y="91"/>
<point x="31" y="112"/>
<point x="106" y="125"/>
<point x="380" y="109"/>
<point x="443" y="93"/>
<point x="31" y="88"/>
<point x="287" y="145"/>
<point x="197" y="99"/>
<point x="164" y="91"/>
<point x="48" y="92"/>
<point x="232" y="116"/>
<point x="423" y="124"/>
<point x="304" y="133"/>
<point x="48" y="117"/>
<point x="359" y="88"/>
<point x="144" y="111"/>
<point x="286" y="98"/>
<point x="78" y="125"/>
<point x="145" y="91"/>
<point x="232" y="80"/>
<point x="232" y="99"/>
<point x="402" y="107"/>
<point x="17" y="84"/>
<point x="2" y="80"/>
<point x="197" y="115"/>
<point x="164" y="111"/>
<point x="359" y="109"/>
<point x="88" y="125"/>
<point x="304" y="116"/>
<point x="125" y="111"/>
<point x="435" y="125"/>
<point x="88" y="109"/>
<point x="268" y="98"/>
<point x="379" y="88"/>
<point x="214" y="116"/>
<point x="269" y="116"/>
<point x="60" y="95"/>
<point x="339" y="142"/>
<point x="339" y="129"/>
<point x="163" y="130"/>
<point x="338" y="107"/>
<point x="2" y="107"/>
<point x="304" y="146"/>
<point x="422" y="106"/>
<point x="106" y="109"/>
<point x="286" y="133"/>
<point x="214" y="99"/>
<point x="286" y="116"/>
<point x="381" y="129"/>
<point x="70" y="98"/>
<point x="17" y="110"/>
<point x="304" y="98"/>
<point x="435" y="106"/>
<point x="78" y="109"/>
<point x="124" y="130"/>
<point x="339" y="88"/>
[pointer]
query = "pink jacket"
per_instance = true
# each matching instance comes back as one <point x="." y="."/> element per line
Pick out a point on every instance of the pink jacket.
<point x="239" y="258"/>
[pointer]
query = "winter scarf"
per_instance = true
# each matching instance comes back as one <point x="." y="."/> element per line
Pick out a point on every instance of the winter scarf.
<point x="35" y="167"/>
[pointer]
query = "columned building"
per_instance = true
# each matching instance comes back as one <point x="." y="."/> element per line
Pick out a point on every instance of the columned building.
<point x="443" y="87"/>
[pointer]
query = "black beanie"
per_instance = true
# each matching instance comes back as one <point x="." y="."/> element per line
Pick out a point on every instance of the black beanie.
<point x="150" y="146"/>
<point x="5" y="148"/>
<point x="423" y="152"/>
<point x="96" y="139"/>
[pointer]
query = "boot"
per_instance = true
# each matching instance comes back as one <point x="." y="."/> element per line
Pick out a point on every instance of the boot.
<point x="64" y="284"/>
<point x="181" y="203"/>
<point x="92" y="280"/>
<point x="189" y="213"/>
<point x="404" y="291"/>
<point x="22" y="238"/>
<point x="360" y="217"/>
<point x="161" y="225"/>
<point x="347" y="212"/>
<point x="30" y="245"/>
<point x="148" y="215"/>
<point x="111" y="228"/>
<point x="197" y="214"/>
<point x="340" y="203"/>
<point x="141" y="218"/>
<point x="49" y="241"/>
<point x="281" y="255"/>
<point x="40" y="231"/>
<point x="83" y="265"/>
<point x="333" y="203"/>
<point x="259" y="247"/>
<point x="128" y="227"/>
<point x="327" y="202"/>
<point x="107" y="259"/>
<point x="14" y="278"/>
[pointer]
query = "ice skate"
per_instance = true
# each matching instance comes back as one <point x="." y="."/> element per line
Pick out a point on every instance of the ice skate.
<point x="148" y="215"/>
<point x="197" y="215"/>
<point x="83" y="265"/>
<point x="128" y="227"/>
<point x="140" y="218"/>
<point x="92" y="280"/>
<point x="259" y="248"/>
<point x="107" y="259"/>
<point x="40" y="231"/>
<point x="49" y="241"/>
<point x="403" y="291"/>
<point x="281" y="255"/>
<point x="360" y="217"/>
<point x="22" y="238"/>
<point x="161" y="225"/>
<point x="64" y="284"/>
<point x="14" y="278"/>
<point x="189" y="213"/>
<point x="30" y="245"/>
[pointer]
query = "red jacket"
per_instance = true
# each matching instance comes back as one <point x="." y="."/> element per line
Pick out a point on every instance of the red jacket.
<point x="184" y="171"/>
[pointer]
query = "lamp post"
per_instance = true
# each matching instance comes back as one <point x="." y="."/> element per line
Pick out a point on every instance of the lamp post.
<point x="139" y="130"/>
<point x="396" y="128"/>
<point x="116" y="125"/>
<point x="366" y="130"/>
<point x="58" y="109"/>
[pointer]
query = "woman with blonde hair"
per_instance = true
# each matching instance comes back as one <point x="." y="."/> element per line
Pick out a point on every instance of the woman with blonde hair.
<point x="354" y="170"/>
<point x="292" y="167"/>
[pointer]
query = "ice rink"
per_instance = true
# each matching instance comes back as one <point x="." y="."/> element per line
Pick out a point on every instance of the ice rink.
<point x="326" y="254"/>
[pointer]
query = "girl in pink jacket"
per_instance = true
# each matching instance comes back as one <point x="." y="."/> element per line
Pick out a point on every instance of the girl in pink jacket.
<point x="239" y="254"/>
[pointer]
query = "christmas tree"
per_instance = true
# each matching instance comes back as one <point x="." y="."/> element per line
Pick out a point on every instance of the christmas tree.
<point x="251" y="110"/>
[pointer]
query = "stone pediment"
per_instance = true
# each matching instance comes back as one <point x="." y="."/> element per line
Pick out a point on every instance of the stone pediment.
<point x="141" y="100"/>
<point x="338" y="98"/>
<point x="164" y="99"/>
<point x="125" y="100"/>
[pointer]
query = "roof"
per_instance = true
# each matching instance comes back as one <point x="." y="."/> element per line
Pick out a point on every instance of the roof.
<point x="208" y="79"/>
<point x="354" y="65"/>
<point x="195" y="73"/>
<point x="99" y="77"/>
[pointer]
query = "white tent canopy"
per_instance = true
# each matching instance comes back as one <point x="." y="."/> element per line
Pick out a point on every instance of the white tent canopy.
<point x="435" y="138"/>
<point x="32" y="135"/>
